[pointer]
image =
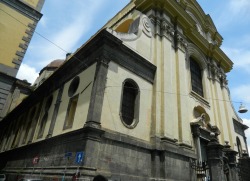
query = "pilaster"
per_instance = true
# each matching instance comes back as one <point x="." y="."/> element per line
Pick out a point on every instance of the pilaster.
<point x="97" y="95"/>
<point x="34" y="123"/>
<point x="157" y="114"/>
<point x="165" y="107"/>
<point x="182" y="87"/>
<point x="92" y="136"/>
<point x="56" y="109"/>
<point x="231" y="156"/>
<point x="215" y="160"/>
<point x="244" y="168"/>
<point x="156" y="164"/>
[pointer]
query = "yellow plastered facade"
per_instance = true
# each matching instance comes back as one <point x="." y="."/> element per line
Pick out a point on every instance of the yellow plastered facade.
<point x="167" y="105"/>
<point x="86" y="78"/>
<point x="111" y="118"/>
<point x="31" y="3"/>
<point x="12" y="30"/>
<point x="173" y="100"/>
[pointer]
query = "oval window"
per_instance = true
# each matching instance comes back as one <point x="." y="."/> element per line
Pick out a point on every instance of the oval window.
<point x="130" y="104"/>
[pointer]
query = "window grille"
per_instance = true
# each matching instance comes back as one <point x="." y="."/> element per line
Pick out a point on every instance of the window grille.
<point x="196" y="77"/>
<point x="130" y="92"/>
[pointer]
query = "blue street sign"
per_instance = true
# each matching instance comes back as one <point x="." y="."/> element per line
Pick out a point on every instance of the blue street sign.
<point x="68" y="154"/>
<point x="79" y="157"/>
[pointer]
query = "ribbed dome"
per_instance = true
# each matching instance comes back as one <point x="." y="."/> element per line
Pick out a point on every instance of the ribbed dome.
<point x="55" y="63"/>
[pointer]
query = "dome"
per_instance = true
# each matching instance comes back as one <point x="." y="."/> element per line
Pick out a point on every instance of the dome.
<point x="48" y="70"/>
<point x="55" y="63"/>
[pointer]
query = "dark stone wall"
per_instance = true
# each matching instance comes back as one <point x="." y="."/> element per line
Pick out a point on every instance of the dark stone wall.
<point x="51" y="153"/>
<point x="113" y="155"/>
<point x="173" y="164"/>
<point x="244" y="168"/>
<point x="122" y="157"/>
<point x="119" y="158"/>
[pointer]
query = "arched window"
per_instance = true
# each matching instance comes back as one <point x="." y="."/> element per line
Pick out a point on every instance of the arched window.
<point x="28" y="125"/>
<point x="71" y="110"/>
<point x="196" y="77"/>
<point x="44" y="119"/>
<point x="130" y="103"/>
<point x="70" y="115"/>
<point x="239" y="146"/>
<point x="42" y="125"/>
<point x="73" y="86"/>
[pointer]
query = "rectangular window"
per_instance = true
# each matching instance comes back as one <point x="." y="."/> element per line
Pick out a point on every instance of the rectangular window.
<point x="196" y="77"/>
<point x="70" y="112"/>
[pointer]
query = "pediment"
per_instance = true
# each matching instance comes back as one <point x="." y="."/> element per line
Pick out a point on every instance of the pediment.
<point x="204" y="24"/>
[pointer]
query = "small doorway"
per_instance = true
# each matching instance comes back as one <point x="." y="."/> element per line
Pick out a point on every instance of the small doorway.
<point x="203" y="143"/>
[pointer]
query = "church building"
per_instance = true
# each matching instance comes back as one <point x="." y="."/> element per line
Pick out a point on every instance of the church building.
<point x="145" y="99"/>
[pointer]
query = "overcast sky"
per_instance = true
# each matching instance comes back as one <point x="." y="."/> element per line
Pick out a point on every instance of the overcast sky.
<point x="70" y="23"/>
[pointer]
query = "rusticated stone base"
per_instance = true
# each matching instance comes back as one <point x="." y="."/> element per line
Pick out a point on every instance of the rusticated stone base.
<point x="110" y="154"/>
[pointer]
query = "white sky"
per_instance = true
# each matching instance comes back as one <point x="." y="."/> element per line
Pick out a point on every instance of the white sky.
<point x="69" y="25"/>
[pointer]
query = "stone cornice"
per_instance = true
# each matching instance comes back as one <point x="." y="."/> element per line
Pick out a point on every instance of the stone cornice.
<point x="205" y="19"/>
<point x="17" y="82"/>
<point x="241" y="125"/>
<point x="24" y="9"/>
<point x="221" y="57"/>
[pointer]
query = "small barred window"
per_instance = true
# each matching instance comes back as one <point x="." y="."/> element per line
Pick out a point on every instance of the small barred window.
<point x="130" y="104"/>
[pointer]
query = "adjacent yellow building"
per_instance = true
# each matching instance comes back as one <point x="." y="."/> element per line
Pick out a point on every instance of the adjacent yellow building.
<point x="18" y="20"/>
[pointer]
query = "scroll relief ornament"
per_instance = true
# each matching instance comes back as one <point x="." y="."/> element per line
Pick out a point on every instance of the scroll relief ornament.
<point x="145" y="21"/>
